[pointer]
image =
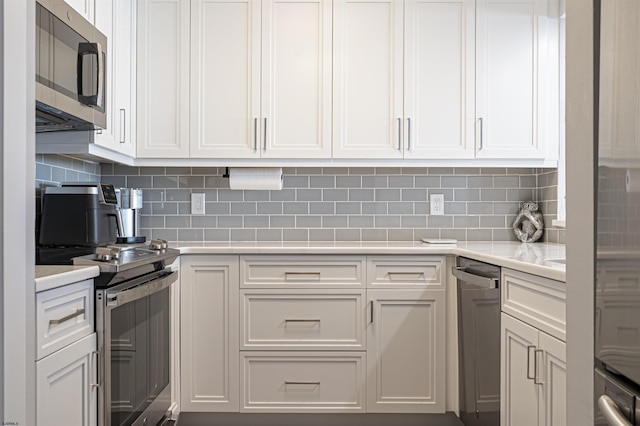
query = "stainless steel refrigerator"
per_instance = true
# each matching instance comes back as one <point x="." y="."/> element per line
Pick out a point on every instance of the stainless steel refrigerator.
<point x="617" y="298"/>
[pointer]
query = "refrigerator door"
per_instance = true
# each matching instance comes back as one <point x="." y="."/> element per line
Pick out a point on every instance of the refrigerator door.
<point x="617" y="310"/>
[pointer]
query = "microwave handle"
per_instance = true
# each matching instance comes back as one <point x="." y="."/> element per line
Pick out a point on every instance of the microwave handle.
<point x="94" y="49"/>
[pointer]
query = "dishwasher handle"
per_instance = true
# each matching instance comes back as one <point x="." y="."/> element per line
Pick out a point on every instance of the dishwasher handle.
<point x="461" y="273"/>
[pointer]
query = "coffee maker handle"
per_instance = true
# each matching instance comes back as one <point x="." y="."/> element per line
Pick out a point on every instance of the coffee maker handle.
<point x="118" y="216"/>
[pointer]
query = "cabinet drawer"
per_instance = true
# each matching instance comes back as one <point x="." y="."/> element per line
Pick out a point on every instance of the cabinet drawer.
<point x="301" y="271"/>
<point x="305" y="319"/>
<point x="406" y="271"/>
<point x="63" y="315"/>
<point x="309" y="382"/>
<point x="537" y="301"/>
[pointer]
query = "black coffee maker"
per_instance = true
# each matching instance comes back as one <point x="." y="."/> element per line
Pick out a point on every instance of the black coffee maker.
<point x="77" y="218"/>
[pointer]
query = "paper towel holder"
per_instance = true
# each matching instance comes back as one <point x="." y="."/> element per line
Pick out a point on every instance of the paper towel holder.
<point x="226" y="173"/>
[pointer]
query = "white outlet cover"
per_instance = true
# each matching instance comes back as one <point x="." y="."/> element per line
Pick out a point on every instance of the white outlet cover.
<point x="436" y="204"/>
<point x="197" y="203"/>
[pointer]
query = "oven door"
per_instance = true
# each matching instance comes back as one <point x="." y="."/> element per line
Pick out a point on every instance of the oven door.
<point x="133" y="324"/>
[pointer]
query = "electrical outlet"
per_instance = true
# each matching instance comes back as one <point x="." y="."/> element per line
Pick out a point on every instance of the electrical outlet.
<point x="436" y="204"/>
<point x="197" y="203"/>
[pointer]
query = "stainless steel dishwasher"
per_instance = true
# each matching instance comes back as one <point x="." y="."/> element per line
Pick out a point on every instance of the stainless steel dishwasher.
<point x="478" y="341"/>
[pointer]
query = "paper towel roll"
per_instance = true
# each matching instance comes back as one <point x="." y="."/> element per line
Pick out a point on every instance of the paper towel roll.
<point x="255" y="178"/>
<point x="633" y="180"/>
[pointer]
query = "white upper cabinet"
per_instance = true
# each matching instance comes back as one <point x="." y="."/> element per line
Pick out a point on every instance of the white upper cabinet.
<point x="516" y="80"/>
<point x="403" y="79"/>
<point x="439" y="79"/>
<point x="163" y="79"/>
<point x="296" y="79"/>
<point x="260" y="79"/>
<point x="225" y="78"/>
<point x="367" y="83"/>
<point x="117" y="20"/>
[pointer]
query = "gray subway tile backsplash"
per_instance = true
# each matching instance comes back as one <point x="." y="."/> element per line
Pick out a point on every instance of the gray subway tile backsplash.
<point x="325" y="204"/>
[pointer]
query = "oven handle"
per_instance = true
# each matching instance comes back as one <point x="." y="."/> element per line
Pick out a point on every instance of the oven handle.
<point x="137" y="290"/>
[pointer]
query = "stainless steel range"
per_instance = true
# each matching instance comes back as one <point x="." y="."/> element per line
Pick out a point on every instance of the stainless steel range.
<point x="133" y="303"/>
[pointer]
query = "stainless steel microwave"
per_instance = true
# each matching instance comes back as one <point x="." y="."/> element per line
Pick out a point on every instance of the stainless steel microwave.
<point x="70" y="70"/>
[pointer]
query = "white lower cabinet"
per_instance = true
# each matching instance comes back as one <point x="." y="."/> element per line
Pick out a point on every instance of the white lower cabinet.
<point x="66" y="394"/>
<point x="303" y="381"/>
<point x="533" y="376"/>
<point x="533" y="351"/>
<point x="209" y="333"/>
<point x="66" y="357"/>
<point x="406" y="351"/>
<point x="305" y="333"/>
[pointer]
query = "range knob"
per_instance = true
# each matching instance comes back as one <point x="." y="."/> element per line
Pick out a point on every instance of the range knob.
<point x="158" y="244"/>
<point x="103" y="254"/>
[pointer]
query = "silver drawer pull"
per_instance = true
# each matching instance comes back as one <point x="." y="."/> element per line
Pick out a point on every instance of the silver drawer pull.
<point x="301" y="320"/>
<point x="420" y="274"/>
<point x="292" y="382"/>
<point x="77" y="313"/>
<point x="316" y="275"/>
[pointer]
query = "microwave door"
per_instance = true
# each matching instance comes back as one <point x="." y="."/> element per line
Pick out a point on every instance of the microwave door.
<point x="90" y="74"/>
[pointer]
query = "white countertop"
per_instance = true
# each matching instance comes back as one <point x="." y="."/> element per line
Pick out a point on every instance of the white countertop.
<point x="52" y="276"/>
<point x="526" y="257"/>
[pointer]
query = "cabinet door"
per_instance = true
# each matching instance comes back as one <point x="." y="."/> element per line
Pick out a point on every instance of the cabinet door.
<point x="209" y="333"/>
<point x="116" y="19"/>
<point x="553" y="412"/>
<point x="519" y="397"/>
<point x="163" y="79"/>
<point x="296" y="79"/>
<point x="225" y="78"/>
<point x="406" y="351"/>
<point x="510" y="85"/>
<point x="65" y="394"/>
<point x="368" y="74"/>
<point x="439" y="73"/>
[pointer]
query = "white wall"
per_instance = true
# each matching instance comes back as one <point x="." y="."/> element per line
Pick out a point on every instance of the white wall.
<point x="580" y="212"/>
<point x="17" y="131"/>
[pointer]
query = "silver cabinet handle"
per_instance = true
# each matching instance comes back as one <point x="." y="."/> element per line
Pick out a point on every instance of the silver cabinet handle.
<point x="399" y="134"/>
<point x="481" y="133"/>
<point x="123" y="123"/>
<point x="418" y="273"/>
<point x="316" y="275"/>
<point x="302" y="320"/>
<point x="97" y="366"/>
<point x="611" y="412"/>
<point x="264" y="141"/>
<point x="536" y="379"/>
<point x="371" y="311"/>
<point x="295" y="382"/>
<point x="530" y="376"/>
<point x="255" y="134"/>
<point x="409" y="134"/>
<point x="77" y="313"/>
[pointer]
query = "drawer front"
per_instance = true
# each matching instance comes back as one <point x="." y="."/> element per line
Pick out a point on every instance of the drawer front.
<point x="406" y="271"/>
<point x="311" y="319"/>
<point x="301" y="271"/>
<point x="302" y="382"/>
<point x="63" y="315"/>
<point x="537" y="301"/>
